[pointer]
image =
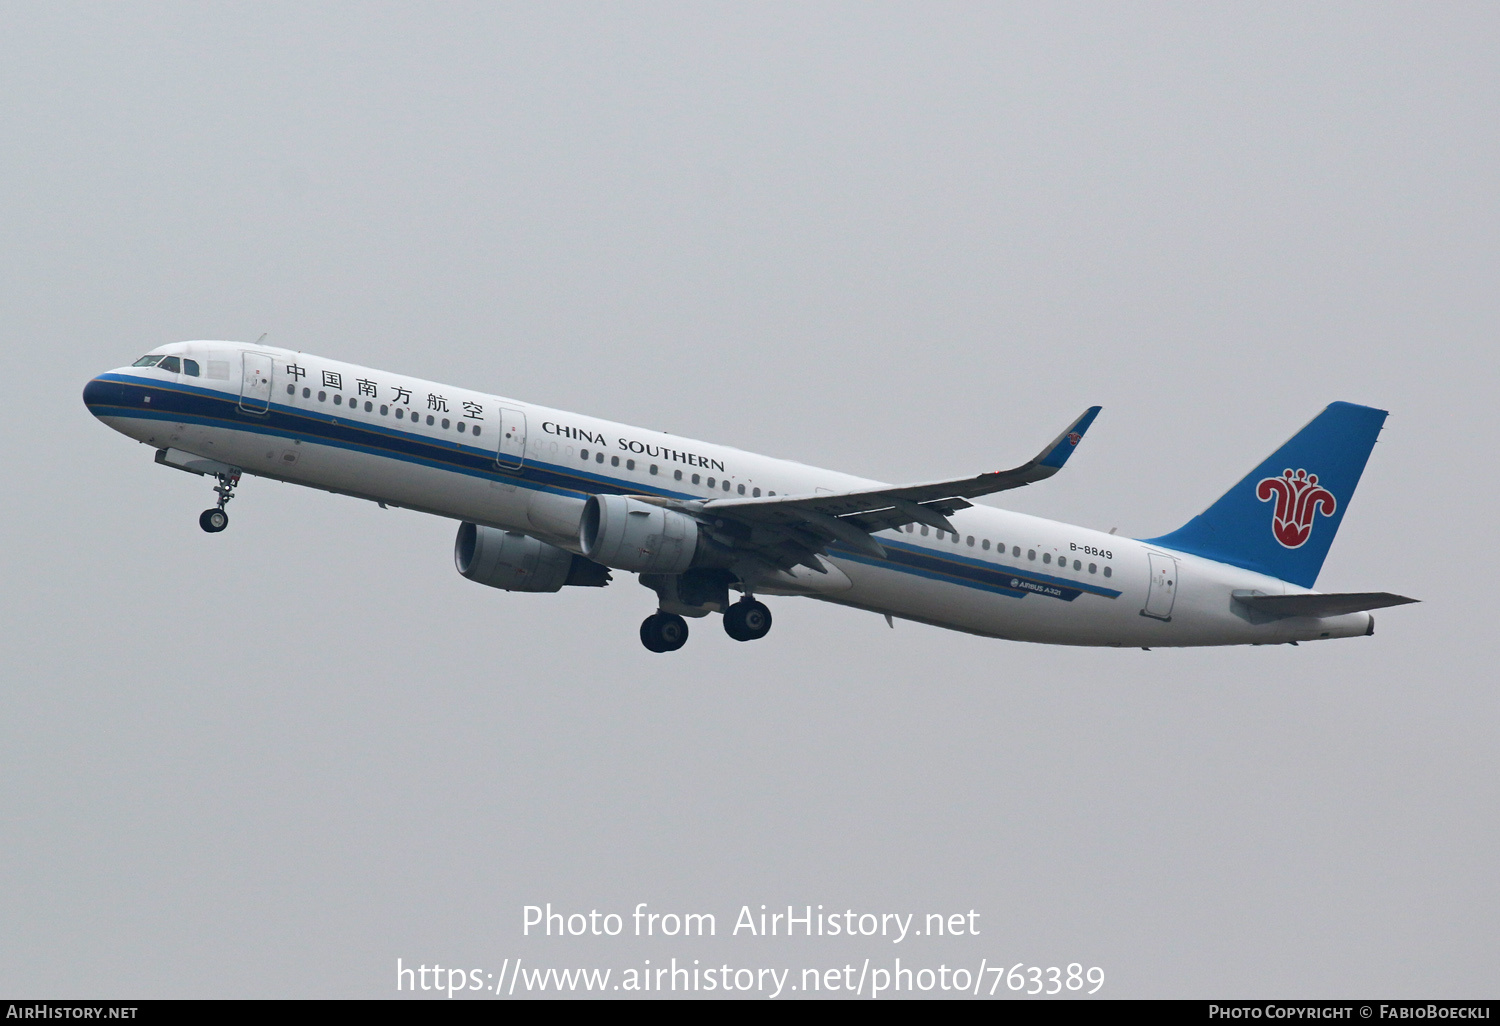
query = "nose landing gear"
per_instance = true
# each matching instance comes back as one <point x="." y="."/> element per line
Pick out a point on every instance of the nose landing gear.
<point x="664" y="632"/>
<point x="215" y="520"/>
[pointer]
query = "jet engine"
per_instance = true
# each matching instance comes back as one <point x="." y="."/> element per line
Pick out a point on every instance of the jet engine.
<point x="629" y="534"/>
<point x="519" y="562"/>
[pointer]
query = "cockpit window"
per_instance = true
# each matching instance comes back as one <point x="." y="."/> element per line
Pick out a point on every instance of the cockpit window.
<point x="148" y="361"/>
<point x="190" y="367"/>
<point x="170" y="363"/>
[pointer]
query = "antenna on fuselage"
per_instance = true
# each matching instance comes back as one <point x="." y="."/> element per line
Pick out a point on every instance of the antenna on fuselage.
<point x="262" y="337"/>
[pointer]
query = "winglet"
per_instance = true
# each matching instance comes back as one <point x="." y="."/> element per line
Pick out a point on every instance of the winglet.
<point x="1056" y="454"/>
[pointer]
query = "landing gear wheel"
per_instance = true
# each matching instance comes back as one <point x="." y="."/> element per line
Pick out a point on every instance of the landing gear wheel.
<point x="213" y="520"/>
<point x="664" y="632"/>
<point x="650" y="636"/>
<point x="747" y="620"/>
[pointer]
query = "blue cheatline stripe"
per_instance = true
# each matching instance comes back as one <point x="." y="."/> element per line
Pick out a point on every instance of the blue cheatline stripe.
<point x="219" y="409"/>
<point x="124" y="396"/>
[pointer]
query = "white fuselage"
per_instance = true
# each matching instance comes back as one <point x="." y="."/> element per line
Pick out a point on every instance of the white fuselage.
<point x="521" y="467"/>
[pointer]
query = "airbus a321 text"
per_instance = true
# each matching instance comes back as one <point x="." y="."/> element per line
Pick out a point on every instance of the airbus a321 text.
<point x="547" y="499"/>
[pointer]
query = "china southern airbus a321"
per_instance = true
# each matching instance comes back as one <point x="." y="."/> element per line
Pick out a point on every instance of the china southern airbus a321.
<point x="547" y="499"/>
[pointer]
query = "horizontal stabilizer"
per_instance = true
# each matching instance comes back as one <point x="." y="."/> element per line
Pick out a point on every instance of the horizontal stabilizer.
<point x="1320" y="605"/>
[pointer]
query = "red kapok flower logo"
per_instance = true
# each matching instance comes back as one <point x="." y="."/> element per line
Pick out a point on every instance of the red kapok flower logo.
<point x="1298" y="499"/>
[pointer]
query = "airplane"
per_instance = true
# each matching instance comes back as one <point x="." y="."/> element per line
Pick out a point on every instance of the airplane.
<point x="548" y="499"/>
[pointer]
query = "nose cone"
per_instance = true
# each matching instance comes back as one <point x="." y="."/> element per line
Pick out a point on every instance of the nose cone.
<point x="101" y="393"/>
<point x="105" y="393"/>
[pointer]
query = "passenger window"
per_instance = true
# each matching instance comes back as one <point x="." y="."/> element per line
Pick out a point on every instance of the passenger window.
<point x="369" y="406"/>
<point x="971" y="541"/>
<point x="338" y="400"/>
<point x="924" y="530"/>
<point x="742" y="489"/>
<point x="726" y="486"/>
<point x="630" y="464"/>
<point x="583" y="454"/>
<point x="1108" y="572"/>
<point x="322" y="396"/>
<point x="770" y="493"/>
<point x="614" y="461"/>
<point x="676" y="475"/>
<point x="462" y="427"/>
<point x="985" y="545"/>
<point x="190" y="368"/>
<point x="1093" y="568"/>
<point x="1017" y="552"/>
<point x="755" y="494"/>
<point x="170" y="363"/>
<point x="445" y="423"/>
<point x="431" y="420"/>
<point x="1077" y="565"/>
<point x="384" y="410"/>
<point x="695" y="479"/>
<point x="1046" y="557"/>
<point x="307" y="393"/>
<point x="711" y="482"/>
<point x="653" y="469"/>
<point x="1031" y="554"/>
<point x="476" y="429"/>
<point x="598" y="457"/>
<point x="400" y="413"/>
<point x="291" y="390"/>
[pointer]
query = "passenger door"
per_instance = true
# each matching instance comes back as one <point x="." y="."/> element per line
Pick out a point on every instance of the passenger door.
<point x="512" y="451"/>
<point x="1163" y="588"/>
<point x="255" y="385"/>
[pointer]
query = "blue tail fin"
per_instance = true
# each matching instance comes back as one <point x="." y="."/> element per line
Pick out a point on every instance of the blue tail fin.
<point x="1281" y="519"/>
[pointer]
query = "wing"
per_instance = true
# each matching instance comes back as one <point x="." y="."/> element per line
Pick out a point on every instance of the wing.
<point x="793" y="530"/>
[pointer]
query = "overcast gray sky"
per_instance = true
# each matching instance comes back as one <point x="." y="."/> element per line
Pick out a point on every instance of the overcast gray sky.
<point x="903" y="241"/>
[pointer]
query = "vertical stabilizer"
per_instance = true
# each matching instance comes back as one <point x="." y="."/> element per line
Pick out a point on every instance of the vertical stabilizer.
<point x="1281" y="518"/>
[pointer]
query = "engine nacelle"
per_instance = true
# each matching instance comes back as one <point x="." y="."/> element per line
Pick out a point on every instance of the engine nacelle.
<point x="628" y="534"/>
<point x="519" y="562"/>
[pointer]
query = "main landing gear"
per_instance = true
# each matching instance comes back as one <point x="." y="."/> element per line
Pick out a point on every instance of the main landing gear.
<point x="664" y="632"/>
<point x="215" y="520"/>
<point x="747" y="620"/>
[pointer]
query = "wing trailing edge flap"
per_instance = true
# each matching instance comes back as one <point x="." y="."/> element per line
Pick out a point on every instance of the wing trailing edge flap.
<point x="1319" y="605"/>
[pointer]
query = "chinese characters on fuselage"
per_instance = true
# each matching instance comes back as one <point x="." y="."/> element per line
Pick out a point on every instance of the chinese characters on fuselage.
<point x="399" y="395"/>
